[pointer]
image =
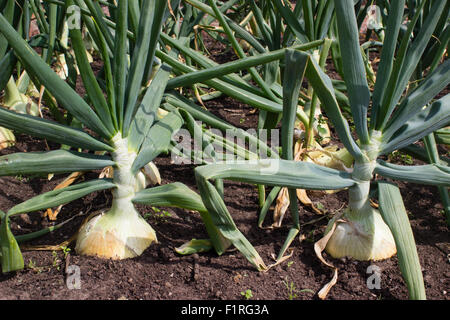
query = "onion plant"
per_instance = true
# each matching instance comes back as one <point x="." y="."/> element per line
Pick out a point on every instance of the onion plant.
<point x="397" y="119"/>
<point x="125" y="125"/>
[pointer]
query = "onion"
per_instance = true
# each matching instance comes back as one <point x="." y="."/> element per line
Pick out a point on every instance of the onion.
<point x="121" y="232"/>
<point x="361" y="232"/>
<point x="362" y="235"/>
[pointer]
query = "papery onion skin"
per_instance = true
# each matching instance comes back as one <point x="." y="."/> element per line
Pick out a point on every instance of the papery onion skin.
<point x="115" y="236"/>
<point x="363" y="236"/>
<point x="121" y="232"/>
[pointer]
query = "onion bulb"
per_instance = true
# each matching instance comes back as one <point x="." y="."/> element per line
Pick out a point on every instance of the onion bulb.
<point x="119" y="233"/>
<point x="362" y="235"/>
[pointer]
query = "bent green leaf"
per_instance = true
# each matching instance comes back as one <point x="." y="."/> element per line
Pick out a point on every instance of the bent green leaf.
<point x="394" y="214"/>
<point x="59" y="161"/>
<point x="61" y="196"/>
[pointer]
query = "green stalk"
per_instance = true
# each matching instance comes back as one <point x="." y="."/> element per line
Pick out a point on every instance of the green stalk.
<point x="261" y="195"/>
<point x="52" y="17"/>
<point x="238" y="150"/>
<point x="315" y="100"/>
<point x="240" y="52"/>
<point x="111" y="95"/>
<point x="39" y="12"/>
<point x="120" y="62"/>
<point x="234" y="66"/>
<point x="133" y="13"/>
<point x="89" y="80"/>
<point x="97" y="13"/>
<point x="147" y="37"/>
<point x="433" y="156"/>
<point x="241" y="32"/>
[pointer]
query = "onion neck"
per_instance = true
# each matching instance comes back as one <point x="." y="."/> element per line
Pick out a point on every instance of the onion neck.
<point x="363" y="174"/>
<point x="124" y="160"/>
<point x="359" y="197"/>
<point x="359" y="193"/>
<point x="127" y="183"/>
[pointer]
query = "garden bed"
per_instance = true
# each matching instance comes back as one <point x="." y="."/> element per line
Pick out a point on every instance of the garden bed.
<point x="161" y="273"/>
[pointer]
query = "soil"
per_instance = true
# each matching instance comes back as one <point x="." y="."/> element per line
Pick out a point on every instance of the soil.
<point x="162" y="274"/>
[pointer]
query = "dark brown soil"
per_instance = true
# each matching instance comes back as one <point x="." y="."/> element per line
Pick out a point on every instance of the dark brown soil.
<point x="161" y="274"/>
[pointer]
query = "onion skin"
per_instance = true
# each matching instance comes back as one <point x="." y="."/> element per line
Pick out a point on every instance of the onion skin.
<point x="116" y="237"/>
<point x="362" y="237"/>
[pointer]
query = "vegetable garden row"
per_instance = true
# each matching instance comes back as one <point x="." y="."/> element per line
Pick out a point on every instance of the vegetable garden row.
<point x="315" y="130"/>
